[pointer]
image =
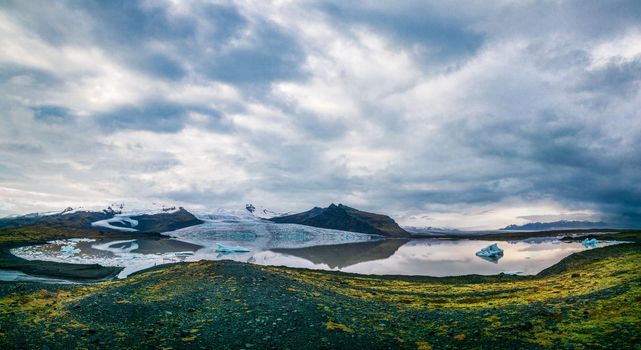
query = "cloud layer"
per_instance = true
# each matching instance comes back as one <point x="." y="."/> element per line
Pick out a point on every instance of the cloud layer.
<point x="445" y="114"/>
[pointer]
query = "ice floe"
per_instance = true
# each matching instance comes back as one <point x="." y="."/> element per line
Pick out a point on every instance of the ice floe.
<point x="491" y="253"/>
<point x="231" y="249"/>
<point x="68" y="246"/>
<point x="590" y="243"/>
<point x="69" y="250"/>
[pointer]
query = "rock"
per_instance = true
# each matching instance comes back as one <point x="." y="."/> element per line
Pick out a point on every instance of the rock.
<point x="525" y="326"/>
<point x="545" y="311"/>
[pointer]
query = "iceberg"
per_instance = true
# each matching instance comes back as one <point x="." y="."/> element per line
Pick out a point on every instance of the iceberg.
<point x="228" y="249"/>
<point x="590" y="243"/>
<point x="491" y="253"/>
<point x="69" y="250"/>
<point x="183" y="254"/>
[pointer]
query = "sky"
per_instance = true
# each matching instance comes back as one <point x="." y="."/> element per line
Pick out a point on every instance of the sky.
<point x="462" y="114"/>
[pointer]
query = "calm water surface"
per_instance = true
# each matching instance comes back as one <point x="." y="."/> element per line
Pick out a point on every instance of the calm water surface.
<point x="289" y="245"/>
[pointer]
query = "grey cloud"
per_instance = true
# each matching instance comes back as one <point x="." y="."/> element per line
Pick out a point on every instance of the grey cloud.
<point x="22" y="148"/>
<point x="444" y="38"/>
<point x="52" y="114"/>
<point x="546" y="126"/>
<point x="616" y="79"/>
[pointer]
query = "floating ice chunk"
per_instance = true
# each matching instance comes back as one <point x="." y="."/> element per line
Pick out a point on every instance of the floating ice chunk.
<point x="491" y="253"/>
<point x="590" y="243"/>
<point x="78" y="240"/>
<point x="69" y="250"/>
<point x="184" y="253"/>
<point x="227" y="249"/>
<point x="490" y="250"/>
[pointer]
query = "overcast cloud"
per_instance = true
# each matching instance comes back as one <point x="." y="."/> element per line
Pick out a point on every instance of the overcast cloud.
<point x="468" y="114"/>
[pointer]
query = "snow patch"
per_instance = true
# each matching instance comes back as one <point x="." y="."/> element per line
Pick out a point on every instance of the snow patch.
<point x="108" y="223"/>
<point x="249" y="213"/>
<point x="262" y="212"/>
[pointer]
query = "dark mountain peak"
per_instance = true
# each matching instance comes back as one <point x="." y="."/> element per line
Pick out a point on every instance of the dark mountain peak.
<point x="67" y="209"/>
<point x="110" y="211"/>
<point x="166" y="221"/>
<point x="342" y="217"/>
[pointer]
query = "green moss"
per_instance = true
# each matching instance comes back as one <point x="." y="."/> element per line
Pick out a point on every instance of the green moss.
<point x="589" y="300"/>
<point x="600" y="275"/>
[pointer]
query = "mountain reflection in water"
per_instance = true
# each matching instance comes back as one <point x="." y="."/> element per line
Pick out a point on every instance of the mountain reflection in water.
<point x="309" y="248"/>
<point x="343" y="255"/>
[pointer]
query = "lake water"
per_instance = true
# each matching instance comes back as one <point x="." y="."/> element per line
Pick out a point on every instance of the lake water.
<point x="300" y="246"/>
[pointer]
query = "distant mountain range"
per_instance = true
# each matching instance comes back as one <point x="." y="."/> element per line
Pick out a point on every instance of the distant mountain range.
<point x="342" y="217"/>
<point x="562" y="224"/>
<point x="429" y="231"/>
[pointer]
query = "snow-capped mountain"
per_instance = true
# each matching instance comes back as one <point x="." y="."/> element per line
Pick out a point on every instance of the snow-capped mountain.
<point x="156" y="217"/>
<point x="263" y="212"/>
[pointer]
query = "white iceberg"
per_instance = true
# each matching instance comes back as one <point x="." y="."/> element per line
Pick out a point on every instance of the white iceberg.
<point x="491" y="253"/>
<point x="590" y="243"/>
<point x="228" y="249"/>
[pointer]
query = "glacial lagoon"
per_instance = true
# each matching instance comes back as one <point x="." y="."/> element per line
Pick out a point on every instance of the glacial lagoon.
<point x="308" y="247"/>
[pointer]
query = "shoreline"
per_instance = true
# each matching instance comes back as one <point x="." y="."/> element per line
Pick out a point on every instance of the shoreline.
<point x="34" y="235"/>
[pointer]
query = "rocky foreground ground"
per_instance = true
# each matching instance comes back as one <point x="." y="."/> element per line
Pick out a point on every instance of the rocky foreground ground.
<point x="589" y="300"/>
